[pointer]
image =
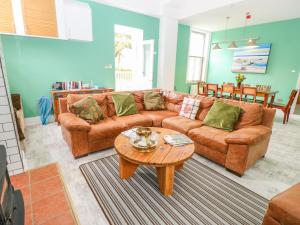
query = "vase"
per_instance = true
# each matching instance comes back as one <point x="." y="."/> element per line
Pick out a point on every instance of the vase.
<point x="239" y="84"/>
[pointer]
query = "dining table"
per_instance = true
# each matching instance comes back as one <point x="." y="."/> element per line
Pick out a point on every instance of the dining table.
<point x="265" y="94"/>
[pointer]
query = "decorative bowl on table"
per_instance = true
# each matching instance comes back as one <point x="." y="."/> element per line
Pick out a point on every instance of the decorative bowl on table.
<point x="144" y="139"/>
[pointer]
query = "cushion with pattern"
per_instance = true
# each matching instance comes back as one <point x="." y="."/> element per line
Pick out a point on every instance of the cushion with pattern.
<point x="189" y="108"/>
<point x="87" y="109"/>
<point x="153" y="100"/>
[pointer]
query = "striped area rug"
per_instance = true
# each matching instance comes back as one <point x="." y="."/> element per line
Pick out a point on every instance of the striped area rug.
<point x="201" y="196"/>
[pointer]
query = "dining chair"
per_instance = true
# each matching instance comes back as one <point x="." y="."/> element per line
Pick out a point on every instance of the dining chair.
<point x="263" y="88"/>
<point x="248" y="91"/>
<point x="211" y="89"/>
<point x="286" y="109"/>
<point x="227" y="89"/>
<point x="246" y="85"/>
<point x="201" y="88"/>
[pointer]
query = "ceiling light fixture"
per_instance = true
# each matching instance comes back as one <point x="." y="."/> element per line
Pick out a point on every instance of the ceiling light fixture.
<point x="217" y="46"/>
<point x="250" y="42"/>
<point x="232" y="45"/>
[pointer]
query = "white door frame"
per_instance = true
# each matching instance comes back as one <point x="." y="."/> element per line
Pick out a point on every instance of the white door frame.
<point x="151" y="44"/>
<point x="295" y="101"/>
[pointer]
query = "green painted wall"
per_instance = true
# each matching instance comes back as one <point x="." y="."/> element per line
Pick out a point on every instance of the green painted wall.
<point x="284" y="57"/>
<point x="33" y="64"/>
<point x="183" y="39"/>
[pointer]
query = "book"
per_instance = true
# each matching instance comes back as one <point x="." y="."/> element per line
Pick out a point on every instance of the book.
<point x="129" y="133"/>
<point x="177" y="139"/>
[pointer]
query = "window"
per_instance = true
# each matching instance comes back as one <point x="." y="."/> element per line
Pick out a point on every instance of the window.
<point x="197" y="59"/>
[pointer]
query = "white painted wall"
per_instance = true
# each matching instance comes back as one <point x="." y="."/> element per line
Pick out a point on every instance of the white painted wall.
<point x="168" y="29"/>
<point x="8" y="134"/>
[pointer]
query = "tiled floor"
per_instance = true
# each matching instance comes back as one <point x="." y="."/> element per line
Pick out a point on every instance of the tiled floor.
<point x="45" y="199"/>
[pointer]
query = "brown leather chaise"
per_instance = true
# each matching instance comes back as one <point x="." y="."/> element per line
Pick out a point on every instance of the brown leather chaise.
<point x="237" y="150"/>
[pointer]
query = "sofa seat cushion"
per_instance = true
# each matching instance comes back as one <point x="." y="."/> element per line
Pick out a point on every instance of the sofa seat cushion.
<point x="134" y="120"/>
<point x="181" y="124"/>
<point x="105" y="129"/>
<point x="211" y="137"/>
<point x="158" y="116"/>
<point x="284" y="207"/>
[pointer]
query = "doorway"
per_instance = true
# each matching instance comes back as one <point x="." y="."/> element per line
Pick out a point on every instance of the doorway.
<point x="296" y="105"/>
<point x="297" y="108"/>
<point x="133" y="59"/>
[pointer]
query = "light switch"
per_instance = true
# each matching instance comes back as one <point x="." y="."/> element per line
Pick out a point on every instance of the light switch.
<point x="108" y="66"/>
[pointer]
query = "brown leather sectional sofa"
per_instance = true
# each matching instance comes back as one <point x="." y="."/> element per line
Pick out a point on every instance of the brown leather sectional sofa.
<point x="237" y="150"/>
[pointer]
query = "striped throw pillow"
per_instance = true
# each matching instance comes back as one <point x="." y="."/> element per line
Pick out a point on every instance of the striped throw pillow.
<point x="189" y="108"/>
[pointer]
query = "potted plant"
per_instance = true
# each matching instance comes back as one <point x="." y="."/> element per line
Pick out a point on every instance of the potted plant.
<point x="239" y="79"/>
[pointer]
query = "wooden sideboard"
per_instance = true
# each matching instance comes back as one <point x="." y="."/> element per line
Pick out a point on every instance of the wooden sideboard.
<point x="64" y="93"/>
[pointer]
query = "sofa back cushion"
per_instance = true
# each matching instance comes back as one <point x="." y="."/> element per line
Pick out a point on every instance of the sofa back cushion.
<point x="205" y="105"/>
<point x="110" y="105"/>
<point x="252" y="113"/>
<point x="139" y="100"/>
<point x="173" y="100"/>
<point x="100" y="98"/>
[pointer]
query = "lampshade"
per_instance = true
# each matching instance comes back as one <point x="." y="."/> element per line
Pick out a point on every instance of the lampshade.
<point x="252" y="43"/>
<point x="232" y="45"/>
<point x="217" y="47"/>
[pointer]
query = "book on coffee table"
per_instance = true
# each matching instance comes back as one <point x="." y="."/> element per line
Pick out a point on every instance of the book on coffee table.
<point x="177" y="139"/>
<point x="129" y="133"/>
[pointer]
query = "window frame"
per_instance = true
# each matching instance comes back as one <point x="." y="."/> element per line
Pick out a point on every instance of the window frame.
<point x="205" y="56"/>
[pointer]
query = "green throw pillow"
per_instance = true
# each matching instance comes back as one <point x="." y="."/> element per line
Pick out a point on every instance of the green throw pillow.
<point x="222" y="116"/>
<point x="87" y="109"/>
<point x="124" y="104"/>
<point x="153" y="101"/>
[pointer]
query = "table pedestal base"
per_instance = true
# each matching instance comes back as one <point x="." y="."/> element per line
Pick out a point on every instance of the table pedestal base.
<point x="126" y="168"/>
<point x="165" y="174"/>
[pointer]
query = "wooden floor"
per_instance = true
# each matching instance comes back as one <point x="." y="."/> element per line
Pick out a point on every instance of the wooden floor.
<point x="45" y="199"/>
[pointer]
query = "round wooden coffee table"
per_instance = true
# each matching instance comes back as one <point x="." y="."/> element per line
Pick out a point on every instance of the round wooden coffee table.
<point x="166" y="158"/>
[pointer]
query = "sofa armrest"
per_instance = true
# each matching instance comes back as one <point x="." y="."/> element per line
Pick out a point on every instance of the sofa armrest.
<point x="249" y="135"/>
<point x="63" y="105"/>
<point x="268" y="117"/>
<point x="73" y="123"/>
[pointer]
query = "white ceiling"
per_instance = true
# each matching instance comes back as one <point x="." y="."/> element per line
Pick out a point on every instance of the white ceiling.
<point x="262" y="11"/>
<point x="172" y="8"/>
<point x="148" y="7"/>
<point x="210" y="14"/>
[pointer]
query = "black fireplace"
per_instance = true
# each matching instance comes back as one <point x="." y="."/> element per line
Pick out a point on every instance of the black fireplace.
<point x="12" y="205"/>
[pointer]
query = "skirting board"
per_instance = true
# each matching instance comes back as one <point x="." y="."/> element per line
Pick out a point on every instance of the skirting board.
<point x="31" y="121"/>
